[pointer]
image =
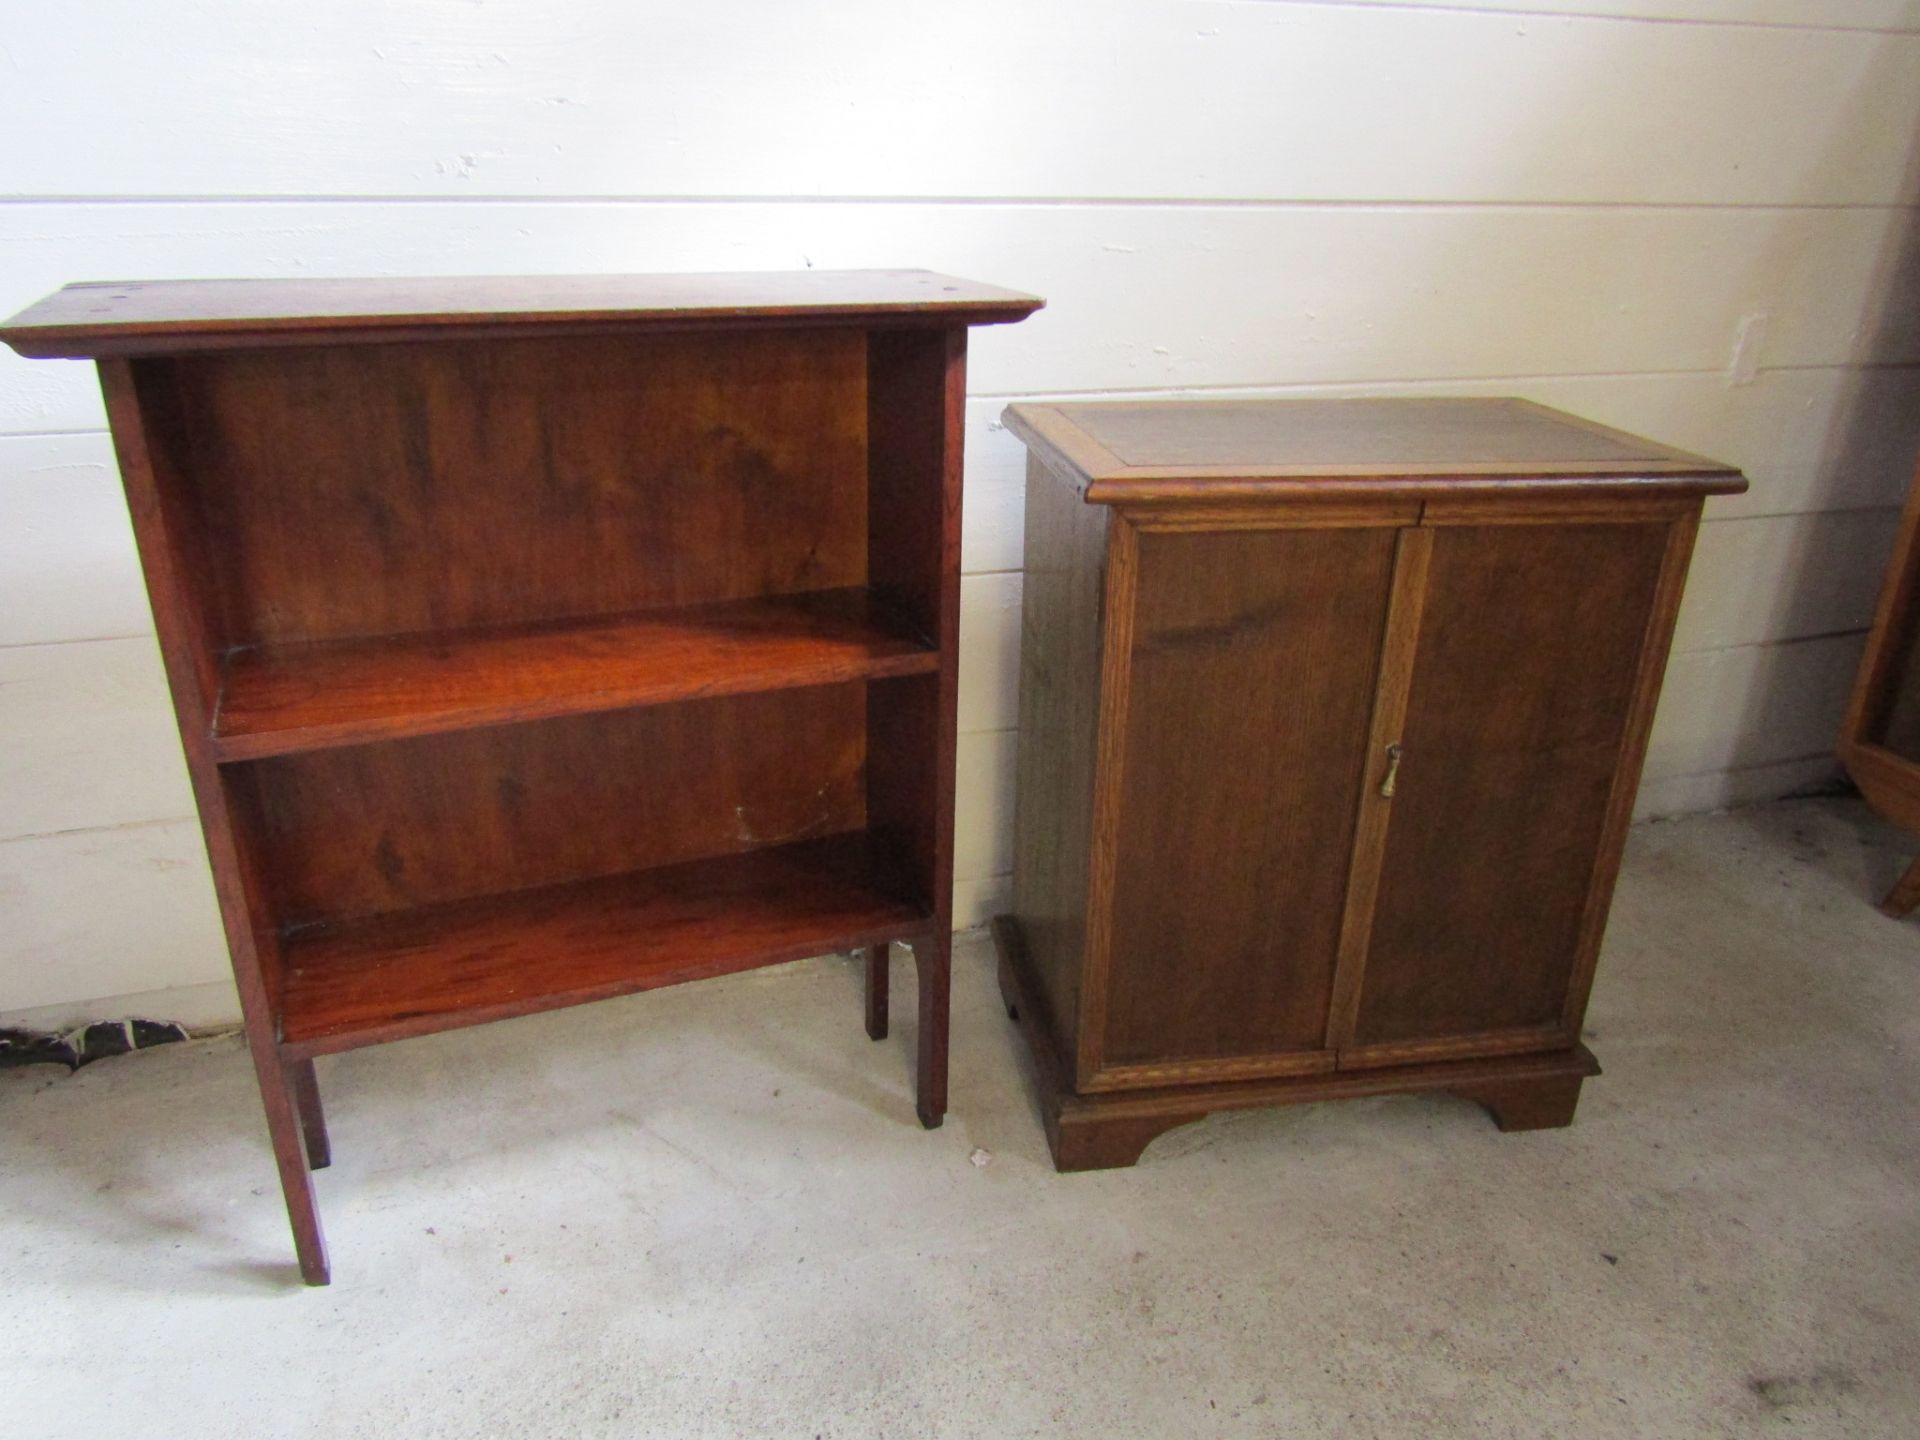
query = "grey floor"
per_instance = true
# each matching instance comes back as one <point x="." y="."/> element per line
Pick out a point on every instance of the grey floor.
<point x="710" y="1212"/>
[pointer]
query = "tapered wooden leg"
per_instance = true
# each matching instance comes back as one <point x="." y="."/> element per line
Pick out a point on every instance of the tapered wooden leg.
<point x="1904" y="895"/>
<point x="932" y="961"/>
<point x="289" y="1156"/>
<point x="313" y="1120"/>
<point x="877" y="958"/>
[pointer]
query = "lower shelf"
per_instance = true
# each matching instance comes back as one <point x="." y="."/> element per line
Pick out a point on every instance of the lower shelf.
<point x="386" y="977"/>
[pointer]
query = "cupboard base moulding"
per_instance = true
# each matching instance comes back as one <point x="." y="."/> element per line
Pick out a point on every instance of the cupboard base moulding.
<point x="1109" y="1131"/>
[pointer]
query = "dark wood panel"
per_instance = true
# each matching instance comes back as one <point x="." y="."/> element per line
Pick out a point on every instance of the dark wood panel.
<point x="916" y="399"/>
<point x="1523" y="683"/>
<point x="1252" y="677"/>
<point x="1380" y="435"/>
<point x="167" y="531"/>
<point x="384" y="978"/>
<point x="1105" y="1129"/>
<point x="1060" y="650"/>
<point x="398" y="489"/>
<point x="172" y="316"/>
<point x="405" y="823"/>
<point x="279" y="699"/>
<point x="1223" y="451"/>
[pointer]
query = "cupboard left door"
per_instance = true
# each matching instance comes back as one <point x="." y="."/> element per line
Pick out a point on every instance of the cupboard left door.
<point x="1239" y="680"/>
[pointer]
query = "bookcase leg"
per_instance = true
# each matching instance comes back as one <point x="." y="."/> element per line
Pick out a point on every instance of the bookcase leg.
<point x="932" y="961"/>
<point x="277" y="1095"/>
<point x="313" y="1120"/>
<point x="877" y="957"/>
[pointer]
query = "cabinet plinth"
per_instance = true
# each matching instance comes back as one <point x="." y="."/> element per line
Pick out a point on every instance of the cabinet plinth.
<point x="1331" y="718"/>
<point x="535" y="641"/>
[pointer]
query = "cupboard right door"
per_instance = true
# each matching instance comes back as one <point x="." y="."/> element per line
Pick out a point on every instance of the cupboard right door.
<point x="1525" y="677"/>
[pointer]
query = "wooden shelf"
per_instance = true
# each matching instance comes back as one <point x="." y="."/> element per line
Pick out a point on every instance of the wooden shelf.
<point x="286" y="698"/>
<point x="386" y="977"/>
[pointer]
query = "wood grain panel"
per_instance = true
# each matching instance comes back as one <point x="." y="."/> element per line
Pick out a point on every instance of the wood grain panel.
<point x="1252" y="677"/>
<point x="308" y="696"/>
<point x="1060" y="663"/>
<point x="1530" y="644"/>
<point x="391" y="976"/>
<point x="407" y="823"/>
<point x="92" y="318"/>
<point x="394" y="489"/>
<point x="916" y="391"/>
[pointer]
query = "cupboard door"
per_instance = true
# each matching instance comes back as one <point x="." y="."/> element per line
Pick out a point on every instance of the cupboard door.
<point x="1240" y="707"/>
<point x="1523" y="686"/>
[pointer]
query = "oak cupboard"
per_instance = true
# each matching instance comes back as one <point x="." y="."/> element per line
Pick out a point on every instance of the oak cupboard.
<point x="540" y="640"/>
<point x="1331" y="717"/>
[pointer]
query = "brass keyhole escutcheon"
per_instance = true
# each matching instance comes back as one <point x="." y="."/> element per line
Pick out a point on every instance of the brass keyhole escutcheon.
<point x="1393" y="771"/>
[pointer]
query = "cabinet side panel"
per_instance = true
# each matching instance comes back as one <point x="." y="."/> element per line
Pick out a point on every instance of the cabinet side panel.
<point x="362" y="490"/>
<point x="1254" y="662"/>
<point x="1523" y="688"/>
<point x="366" y="829"/>
<point x="1060" y="633"/>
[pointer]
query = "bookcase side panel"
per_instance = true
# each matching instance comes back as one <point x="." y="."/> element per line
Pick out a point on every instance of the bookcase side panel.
<point x="916" y="393"/>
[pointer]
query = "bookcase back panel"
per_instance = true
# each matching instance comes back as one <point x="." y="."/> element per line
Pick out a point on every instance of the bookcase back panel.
<point x="371" y="828"/>
<point x="363" y="490"/>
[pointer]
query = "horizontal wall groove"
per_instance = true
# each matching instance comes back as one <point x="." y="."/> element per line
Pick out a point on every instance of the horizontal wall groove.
<point x="77" y="640"/>
<point x="124" y="825"/>
<point x="1502" y="12"/>
<point x="1387" y="204"/>
<point x="1258" y="387"/>
<point x="1751" y="515"/>
<point x="1777" y="642"/>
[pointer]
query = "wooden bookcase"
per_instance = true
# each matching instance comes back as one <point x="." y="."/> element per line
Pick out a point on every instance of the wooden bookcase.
<point x="535" y="641"/>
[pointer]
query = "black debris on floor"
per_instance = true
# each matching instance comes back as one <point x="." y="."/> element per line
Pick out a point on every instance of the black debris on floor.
<point x="87" y="1044"/>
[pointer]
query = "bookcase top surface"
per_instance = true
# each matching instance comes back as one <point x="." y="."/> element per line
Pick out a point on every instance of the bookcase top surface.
<point x="1136" y="451"/>
<point x="148" y="317"/>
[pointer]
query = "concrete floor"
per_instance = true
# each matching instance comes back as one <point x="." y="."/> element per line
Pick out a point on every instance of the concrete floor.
<point x="710" y="1212"/>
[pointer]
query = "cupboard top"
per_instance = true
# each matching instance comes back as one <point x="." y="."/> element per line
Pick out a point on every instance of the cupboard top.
<point x="1142" y="452"/>
<point x="169" y="316"/>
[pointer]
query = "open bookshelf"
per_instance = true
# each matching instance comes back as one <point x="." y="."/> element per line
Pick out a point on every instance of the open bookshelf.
<point x="538" y="641"/>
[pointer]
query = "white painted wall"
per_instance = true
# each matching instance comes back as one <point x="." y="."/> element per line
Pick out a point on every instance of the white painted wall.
<point x="1586" y="202"/>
